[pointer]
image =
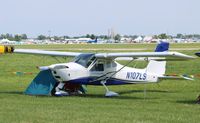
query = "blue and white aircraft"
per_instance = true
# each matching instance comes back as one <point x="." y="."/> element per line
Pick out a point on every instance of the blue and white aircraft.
<point x="92" y="41"/>
<point x="103" y="69"/>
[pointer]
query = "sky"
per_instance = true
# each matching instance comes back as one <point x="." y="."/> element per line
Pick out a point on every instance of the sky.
<point x="81" y="17"/>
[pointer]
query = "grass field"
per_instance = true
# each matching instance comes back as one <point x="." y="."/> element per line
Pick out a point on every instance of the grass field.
<point x="170" y="101"/>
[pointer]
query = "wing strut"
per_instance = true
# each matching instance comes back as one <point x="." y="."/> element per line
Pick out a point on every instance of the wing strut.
<point x="103" y="78"/>
<point x="120" y="69"/>
<point x="103" y="82"/>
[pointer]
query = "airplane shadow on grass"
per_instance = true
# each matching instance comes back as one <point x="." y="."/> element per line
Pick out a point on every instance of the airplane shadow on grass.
<point x="121" y="94"/>
<point x="190" y="102"/>
<point x="142" y="91"/>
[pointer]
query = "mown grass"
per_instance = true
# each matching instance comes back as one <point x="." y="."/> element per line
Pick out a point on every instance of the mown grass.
<point x="169" y="101"/>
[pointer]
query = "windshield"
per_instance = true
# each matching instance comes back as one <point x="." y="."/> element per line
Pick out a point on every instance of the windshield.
<point x="84" y="59"/>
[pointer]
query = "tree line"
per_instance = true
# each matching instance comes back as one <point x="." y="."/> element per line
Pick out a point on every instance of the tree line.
<point x="117" y="37"/>
<point x="17" y="37"/>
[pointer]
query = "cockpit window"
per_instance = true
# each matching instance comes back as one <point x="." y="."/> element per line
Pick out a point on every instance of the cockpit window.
<point x="85" y="59"/>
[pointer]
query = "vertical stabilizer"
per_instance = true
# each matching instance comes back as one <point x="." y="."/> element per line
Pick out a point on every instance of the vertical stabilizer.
<point x="162" y="46"/>
<point x="156" y="67"/>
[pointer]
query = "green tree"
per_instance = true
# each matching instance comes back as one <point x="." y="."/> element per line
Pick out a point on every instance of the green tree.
<point x="8" y="35"/>
<point x="162" y="36"/>
<point x="41" y="37"/>
<point x="17" y="38"/>
<point x="24" y="36"/>
<point x="105" y="37"/>
<point x="87" y="36"/>
<point x="155" y="37"/>
<point x="3" y="36"/>
<point x="56" y="38"/>
<point x="117" y="37"/>
<point x="66" y="37"/>
<point x="92" y="36"/>
<point x="179" y="35"/>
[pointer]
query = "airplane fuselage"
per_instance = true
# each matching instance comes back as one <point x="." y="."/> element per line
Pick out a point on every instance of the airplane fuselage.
<point x="97" y="72"/>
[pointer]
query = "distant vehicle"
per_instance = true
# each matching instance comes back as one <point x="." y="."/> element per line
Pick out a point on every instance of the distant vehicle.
<point x="102" y="69"/>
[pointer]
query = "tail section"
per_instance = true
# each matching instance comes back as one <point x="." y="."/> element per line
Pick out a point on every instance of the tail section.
<point x="95" y="41"/>
<point x="156" y="67"/>
<point x="162" y="46"/>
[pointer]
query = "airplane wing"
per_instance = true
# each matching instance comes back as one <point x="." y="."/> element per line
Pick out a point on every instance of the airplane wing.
<point x="160" y="55"/>
<point x="43" y="52"/>
<point x="156" y="55"/>
<point x="167" y="55"/>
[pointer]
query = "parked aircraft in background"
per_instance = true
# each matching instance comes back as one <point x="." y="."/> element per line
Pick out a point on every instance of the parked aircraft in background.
<point x="92" y="41"/>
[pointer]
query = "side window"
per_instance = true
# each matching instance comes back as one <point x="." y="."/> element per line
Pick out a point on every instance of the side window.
<point x="114" y="64"/>
<point x="98" y="67"/>
<point x="108" y="64"/>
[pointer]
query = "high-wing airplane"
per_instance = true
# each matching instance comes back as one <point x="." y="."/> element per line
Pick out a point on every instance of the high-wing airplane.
<point x="103" y="69"/>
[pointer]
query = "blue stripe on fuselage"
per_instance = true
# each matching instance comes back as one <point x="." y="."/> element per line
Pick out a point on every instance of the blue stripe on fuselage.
<point x="88" y="81"/>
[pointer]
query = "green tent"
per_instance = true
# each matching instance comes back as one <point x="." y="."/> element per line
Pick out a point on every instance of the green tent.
<point x="43" y="84"/>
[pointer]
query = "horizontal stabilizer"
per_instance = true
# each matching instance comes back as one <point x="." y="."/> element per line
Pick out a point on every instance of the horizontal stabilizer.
<point x="185" y="77"/>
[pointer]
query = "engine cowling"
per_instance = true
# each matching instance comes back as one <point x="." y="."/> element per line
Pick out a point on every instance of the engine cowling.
<point x="6" y="49"/>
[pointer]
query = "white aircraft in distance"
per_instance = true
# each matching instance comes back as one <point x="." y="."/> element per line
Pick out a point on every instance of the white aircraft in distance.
<point x="103" y="69"/>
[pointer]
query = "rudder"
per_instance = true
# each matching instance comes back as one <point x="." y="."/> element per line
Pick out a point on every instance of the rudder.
<point x="156" y="67"/>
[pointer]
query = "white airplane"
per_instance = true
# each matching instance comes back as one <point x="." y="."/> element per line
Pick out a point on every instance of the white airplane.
<point x="103" y="69"/>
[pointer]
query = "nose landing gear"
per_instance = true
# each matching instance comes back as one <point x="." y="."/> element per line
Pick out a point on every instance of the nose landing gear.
<point x="67" y="89"/>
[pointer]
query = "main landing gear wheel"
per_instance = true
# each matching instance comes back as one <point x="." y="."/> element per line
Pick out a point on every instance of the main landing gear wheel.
<point x="109" y="93"/>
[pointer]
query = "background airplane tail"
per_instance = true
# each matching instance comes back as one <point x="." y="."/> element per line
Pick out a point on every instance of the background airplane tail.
<point x="95" y="41"/>
<point x="162" y="46"/>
